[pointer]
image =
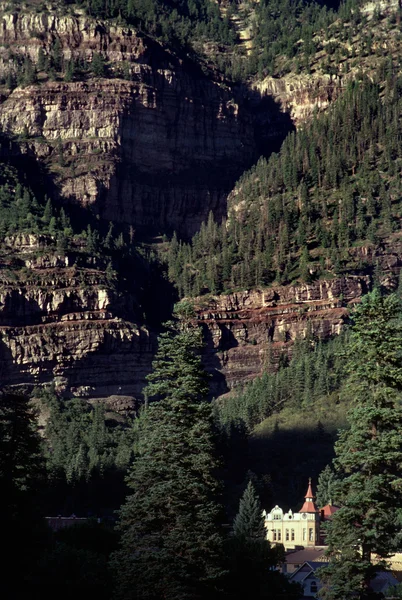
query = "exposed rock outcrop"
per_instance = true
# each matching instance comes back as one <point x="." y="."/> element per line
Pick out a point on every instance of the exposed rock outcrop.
<point x="301" y="95"/>
<point x="61" y="321"/>
<point x="247" y="331"/>
<point x="157" y="152"/>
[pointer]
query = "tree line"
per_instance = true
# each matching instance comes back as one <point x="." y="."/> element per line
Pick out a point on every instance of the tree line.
<point x="172" y="542"/>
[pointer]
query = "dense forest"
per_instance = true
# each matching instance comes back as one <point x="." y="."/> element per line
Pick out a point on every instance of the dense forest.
<point x="305" y="212"/>
<point x="285" y="36"/>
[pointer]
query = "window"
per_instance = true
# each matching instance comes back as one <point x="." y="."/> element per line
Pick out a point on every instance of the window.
<point x="311" y="534"/>
<point x="292" y="533"/>
<point x="277" y="517"/>
<point x="279" y="535"/>
<point x="287" y="535"/>
<point x="274" y="531"/>
<point x="313" y="587"/>
<point x="304" y="534"/>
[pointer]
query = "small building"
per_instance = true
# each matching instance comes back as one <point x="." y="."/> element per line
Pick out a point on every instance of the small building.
<point x="306" y="576"/>
<point x="296" y="558"/>
<point x="295" y="529"/>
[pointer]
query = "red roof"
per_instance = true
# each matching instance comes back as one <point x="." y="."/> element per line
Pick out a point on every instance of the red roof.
<point x="309" y="506"/>
<point x="328" y="510"/>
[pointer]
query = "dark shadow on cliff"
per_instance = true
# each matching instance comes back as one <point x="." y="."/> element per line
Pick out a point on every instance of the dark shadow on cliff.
<point x="143" y="295"/>
<point x="271" y="123"/>
<point x="213" y="363"/>
<point x="182" y="152"/>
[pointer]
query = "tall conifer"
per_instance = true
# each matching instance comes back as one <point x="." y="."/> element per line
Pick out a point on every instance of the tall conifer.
<point x="368" y="454"/>
<point x="171" y="545"/>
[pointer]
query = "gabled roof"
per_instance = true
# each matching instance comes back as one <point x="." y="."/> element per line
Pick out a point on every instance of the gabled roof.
<point x="382" y="581"/>
<point x="305" y="571"/>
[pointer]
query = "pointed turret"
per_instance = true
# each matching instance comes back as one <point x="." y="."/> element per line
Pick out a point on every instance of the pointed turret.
<point x="309" y="505"/>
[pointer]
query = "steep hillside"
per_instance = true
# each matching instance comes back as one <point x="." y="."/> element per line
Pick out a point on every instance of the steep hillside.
<point x="68" y="311"/>
<point x="134" y="124"/>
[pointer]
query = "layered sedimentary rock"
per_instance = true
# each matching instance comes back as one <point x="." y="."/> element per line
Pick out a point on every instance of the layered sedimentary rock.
<point x="158" y="152"/>
<point x="246" y="332"/>
<point x="61" y="321"/>
<point x="301" y="95"/>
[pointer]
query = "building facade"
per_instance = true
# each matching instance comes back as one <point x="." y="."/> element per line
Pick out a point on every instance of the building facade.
<point x="295" y="529"/>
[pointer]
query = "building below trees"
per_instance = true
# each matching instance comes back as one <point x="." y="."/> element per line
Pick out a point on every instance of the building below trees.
<point x="301" y="529"/>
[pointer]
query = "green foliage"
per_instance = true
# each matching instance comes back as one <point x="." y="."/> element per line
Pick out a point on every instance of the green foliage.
<point x="80" y="442"/>
<point x="327" y="488"/>
<point x="56" y="56"/>
<point x="171" y="544"/>
<point x="22" y="212"/>
<point x="177" y="369"/>
<point x="314" y="372"/>
<point x="179" y="24"/>
<point x="249" y="522"/>
<point x="368" y="454"/>
<point x="300" y="213"/>
<point x="21" y="463"/>
<point x="98" y="65"/>
<point x="22" y="476"/>
<point x="251" y="559"/>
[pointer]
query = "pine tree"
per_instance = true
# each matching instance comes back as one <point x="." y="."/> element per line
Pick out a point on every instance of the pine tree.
<point x="251" y="558"/>
<point x="98" y="65"/>
<point x="249" y="522"/>
<point x="171" y="545"/>
<point x="41" y="64"/>
<point x="22" y="476"/>
<point x="326" y="488"/>
<point x="369" y="454"/>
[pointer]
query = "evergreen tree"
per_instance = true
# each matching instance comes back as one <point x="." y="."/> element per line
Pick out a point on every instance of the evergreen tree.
<point x="249" y="522"/>
<point x="98" y="65"/>
<point x="171" y="545"/>
<point x="21" y="480"/>
<point x="369" y="454"/>
<point x="326" y="488"/>
<point x="42" y="63"/>
<point x="251" y="558"/>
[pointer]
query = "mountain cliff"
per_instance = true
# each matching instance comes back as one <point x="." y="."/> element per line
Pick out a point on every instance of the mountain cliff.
<point x="123" y="128"/>
<point x="157" y="150"/>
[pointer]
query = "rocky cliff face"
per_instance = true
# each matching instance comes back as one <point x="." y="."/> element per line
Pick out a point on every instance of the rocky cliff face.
<point x="157" y="152"/>
<point x="246" y="332"/>
<point x="61" y="320"/>
<point x="301" y="95"/>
